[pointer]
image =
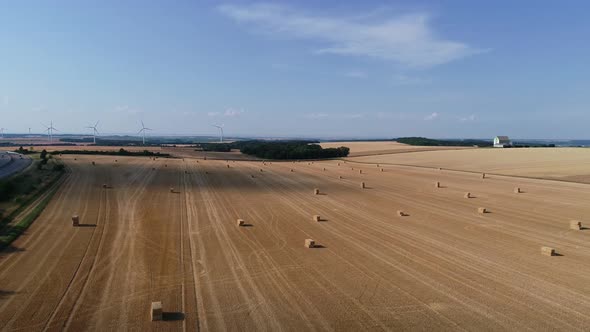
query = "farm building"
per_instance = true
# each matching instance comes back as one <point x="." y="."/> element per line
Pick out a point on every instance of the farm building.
<point x="502" y="141"/>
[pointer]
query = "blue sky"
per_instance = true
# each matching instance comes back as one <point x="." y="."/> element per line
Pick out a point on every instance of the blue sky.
<point x="317" y="69"/>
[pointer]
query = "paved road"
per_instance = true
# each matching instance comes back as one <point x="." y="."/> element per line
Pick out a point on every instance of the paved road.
<point x="11" y="163"/>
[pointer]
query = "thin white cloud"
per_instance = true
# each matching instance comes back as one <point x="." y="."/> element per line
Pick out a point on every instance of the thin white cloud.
<point x="228" y="113"/>
<point x="431" y="116"/>
<point x="356" y="74"/>
<point x="316" y="115"/>
<point x="407" y="39"/>
<point x="127" y="109"/>
<point x="468" y="118"/>
<point x="233" y="112"/>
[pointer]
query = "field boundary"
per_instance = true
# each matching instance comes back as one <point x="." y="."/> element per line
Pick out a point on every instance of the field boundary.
<point x="37" y="203"/>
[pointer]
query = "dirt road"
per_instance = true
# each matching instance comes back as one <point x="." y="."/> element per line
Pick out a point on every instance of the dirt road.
<point x="441" y="267"/>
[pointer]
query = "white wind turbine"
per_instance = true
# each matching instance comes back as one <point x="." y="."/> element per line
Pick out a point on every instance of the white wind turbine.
<point x="50" y="130"/>
<point x="142" y="131"/>
<point x="2" y="132"/>
<point x="94" y="131"/>
<point x="220" y="127"/>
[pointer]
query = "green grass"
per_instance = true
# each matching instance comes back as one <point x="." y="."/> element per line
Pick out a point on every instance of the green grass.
<point x="10" y="233"/>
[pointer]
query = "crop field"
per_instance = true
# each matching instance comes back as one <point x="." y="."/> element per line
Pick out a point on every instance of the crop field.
<point x="166" y="230"/>
<point x="570" y="164"/>
<point x="358" y="148"/>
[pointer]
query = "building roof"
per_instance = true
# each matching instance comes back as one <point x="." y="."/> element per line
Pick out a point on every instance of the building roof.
<point x="503" y="138"/>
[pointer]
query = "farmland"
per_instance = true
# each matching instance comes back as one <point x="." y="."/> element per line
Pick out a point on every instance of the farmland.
<point x="441" y="266"/>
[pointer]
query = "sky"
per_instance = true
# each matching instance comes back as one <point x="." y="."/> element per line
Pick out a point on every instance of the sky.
<point x="325" y="69"/>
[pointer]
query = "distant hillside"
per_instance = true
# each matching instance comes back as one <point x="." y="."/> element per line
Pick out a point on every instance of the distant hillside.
<point x="423" y="141"/>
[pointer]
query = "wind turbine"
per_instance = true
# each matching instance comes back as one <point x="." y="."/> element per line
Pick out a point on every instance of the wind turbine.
<point x="50" y="130"/>
<point x="94" y="131"/>
<point x="2" y="132"/>
<point x="220" y="127"/>
<point x="142" y="131"/>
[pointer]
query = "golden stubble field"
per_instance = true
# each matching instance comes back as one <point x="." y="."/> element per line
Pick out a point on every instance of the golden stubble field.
<point x="570" y="164"/>
<point x="360" y="148"/>
<point x="443" y="266"/>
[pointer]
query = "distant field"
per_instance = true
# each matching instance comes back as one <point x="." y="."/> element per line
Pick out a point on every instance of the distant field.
<point x="376" y="148"/>
<point x="572" y="164"/>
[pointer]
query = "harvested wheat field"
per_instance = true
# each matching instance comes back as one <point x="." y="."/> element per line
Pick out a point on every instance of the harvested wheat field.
<point x="570" y="164"/>
<point x="359" y="148"/>
<point x="442" y="266"/>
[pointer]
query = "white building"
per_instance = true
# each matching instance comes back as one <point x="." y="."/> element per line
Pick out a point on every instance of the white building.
<point x="502" y="141"/>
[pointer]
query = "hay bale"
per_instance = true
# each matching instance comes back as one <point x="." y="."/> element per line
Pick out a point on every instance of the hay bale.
<point x="292" y="170"/>
<point x="338" y="164"/>
<point x="517" y="190"/>
<point x="171" y="189"/>
<point x="340" y="176"/>
<point x="75" y="220"/>
<point x="316" y="217"/>
<point x="482" y="210"/>
<point x="93" y="163"/>
<point x="576" y="224"/>
<point x="309" y="243"/>
<point x="261" y="170"/>
<point x="401" y="213"/>
<point x="104" y="185"/>
<point x="156" y="312"/>
<point x="241" y="222"/>
<point x="467" y="195"/>
<point x="363" y="185"/>
<point x="252" y="176"/>
<point x="316" y="191"/>
<point x="437" y="184"/>
<point x="382" y="170"/>
<point x="547" y="251"/>
<point x="324" y="168"/>
<point x="227" y="166"/>
<point x="116" y="160"/>
<point x="360" y="171"/>
<point x="483" y="175"/>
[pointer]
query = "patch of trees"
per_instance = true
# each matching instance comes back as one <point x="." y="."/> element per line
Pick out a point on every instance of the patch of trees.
<point x="215" y="147"/>
<point x="120" y="152"/>
<point x="289" y="150"/>
<point x="423" y="141"/>
<point x="21" y="150"/>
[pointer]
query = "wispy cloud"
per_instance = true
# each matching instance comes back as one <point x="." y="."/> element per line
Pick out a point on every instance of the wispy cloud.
<point x="407" y="39"/>
<point x="431" y="116"/>
<point x="467" y="118"/>
<point x="229" y="113"/>
<point x="315" y="115"/>
<point x="233" y="112"/>
<point x="356" y="74"/>
<point x="127" y="109"/>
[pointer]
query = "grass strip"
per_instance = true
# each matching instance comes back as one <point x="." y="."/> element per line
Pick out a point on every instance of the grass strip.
<point x="12" y="232"/>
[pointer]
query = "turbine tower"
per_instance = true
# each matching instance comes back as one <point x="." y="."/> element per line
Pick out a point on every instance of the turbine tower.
<point x="50" y="130"/>
<point x="220" y="127"/>
<point x="142" y="131"/>
<point x="94" y="131"/>
<point x="2" y="132"/>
